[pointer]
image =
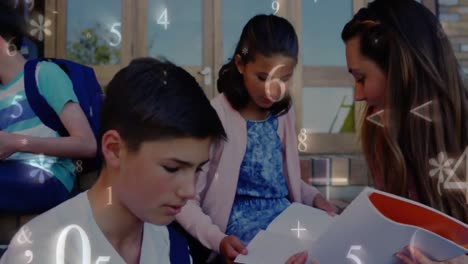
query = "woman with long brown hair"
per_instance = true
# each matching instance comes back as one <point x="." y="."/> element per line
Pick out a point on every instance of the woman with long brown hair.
<point x="401" y="60"/>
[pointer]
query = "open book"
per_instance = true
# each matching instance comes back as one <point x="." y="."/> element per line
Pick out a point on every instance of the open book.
<point x="370" y="230"/>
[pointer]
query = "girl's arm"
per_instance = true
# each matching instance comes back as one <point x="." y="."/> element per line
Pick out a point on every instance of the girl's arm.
<point x="193" y="219"/>
<point x="291" y="158"/>
<point x="309" y="194"/>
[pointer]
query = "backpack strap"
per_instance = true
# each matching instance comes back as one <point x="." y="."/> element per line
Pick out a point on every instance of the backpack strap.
<point x="179" y="250"/>
<point x="38" y="103"/>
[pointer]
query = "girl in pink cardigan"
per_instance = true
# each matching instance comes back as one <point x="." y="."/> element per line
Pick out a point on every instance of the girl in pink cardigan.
<point x="253" y="176"/>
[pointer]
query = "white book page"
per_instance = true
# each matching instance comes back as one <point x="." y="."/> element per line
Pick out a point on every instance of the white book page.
<point x="363" y="233"/>
<point x="271" y="248"/>
<point x="297" y="217"/>
<point x="291" y="232"/>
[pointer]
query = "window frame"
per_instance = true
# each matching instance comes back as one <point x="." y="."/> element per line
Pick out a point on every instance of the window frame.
<point x="134" y="44"/>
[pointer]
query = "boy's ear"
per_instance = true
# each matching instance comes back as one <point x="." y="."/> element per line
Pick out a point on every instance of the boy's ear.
<point x="239" y="64"/>
<point x="111" y="146"/>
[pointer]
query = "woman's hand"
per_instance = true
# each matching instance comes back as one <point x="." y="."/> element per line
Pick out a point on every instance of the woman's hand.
<point x="413" y="255"/>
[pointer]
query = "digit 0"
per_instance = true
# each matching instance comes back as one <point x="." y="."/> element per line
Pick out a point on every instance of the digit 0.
<point x="85" y="246"/>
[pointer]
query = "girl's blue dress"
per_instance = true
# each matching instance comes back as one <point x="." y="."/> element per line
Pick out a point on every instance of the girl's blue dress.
<point x="261" y="190"/>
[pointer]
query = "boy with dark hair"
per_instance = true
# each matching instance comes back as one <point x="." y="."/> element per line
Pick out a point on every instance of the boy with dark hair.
<point x="36" y="170"/>
<point x="157" y="128"/>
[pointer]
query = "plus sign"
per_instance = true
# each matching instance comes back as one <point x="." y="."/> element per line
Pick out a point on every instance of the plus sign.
<point x="298" y="229"/>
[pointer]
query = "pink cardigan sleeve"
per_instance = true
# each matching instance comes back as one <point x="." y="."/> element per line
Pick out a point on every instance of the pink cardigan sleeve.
<point x="193" y="219"/>
<point x="308" y="192"/>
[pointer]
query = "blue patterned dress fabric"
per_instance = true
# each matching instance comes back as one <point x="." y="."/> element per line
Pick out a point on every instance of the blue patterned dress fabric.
<point x="261" y="189"/>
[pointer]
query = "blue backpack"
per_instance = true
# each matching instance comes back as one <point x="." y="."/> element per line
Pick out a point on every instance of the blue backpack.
<point x="179" y="250"/>
<point x="89" y="95"/>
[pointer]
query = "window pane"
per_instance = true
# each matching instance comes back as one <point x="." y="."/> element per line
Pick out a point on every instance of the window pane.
<point x="322" y="22"/>
<point x="235" y="15"/>
<point x="93" y="31"/>
<point x="175" y="31"/>
<point x="452" y="16"/>
<point x="328" y="110"/>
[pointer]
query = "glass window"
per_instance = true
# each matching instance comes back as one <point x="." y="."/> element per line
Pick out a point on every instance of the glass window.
<point x="94" y="31"/>
<point x="322" y="22"/>
<point x="175" y="31"/>
<point x="452" y="16"/>
<point x="328" y="109"/>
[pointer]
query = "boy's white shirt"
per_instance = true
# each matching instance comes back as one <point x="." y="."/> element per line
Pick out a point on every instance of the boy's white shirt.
<point x="37" y="241"/>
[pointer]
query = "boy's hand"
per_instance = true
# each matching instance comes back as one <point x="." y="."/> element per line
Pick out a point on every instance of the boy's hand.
<point x="321" y="203"/>
<point x="230" y="247"/>
<point x="7" y="145"/>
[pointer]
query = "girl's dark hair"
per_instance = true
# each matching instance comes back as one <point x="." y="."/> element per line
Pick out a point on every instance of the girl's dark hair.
<point x="408" y="44"/>
<point x="267" y="35"/>
<point x="152" y="100"/>
<point x="12" y="25"/>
